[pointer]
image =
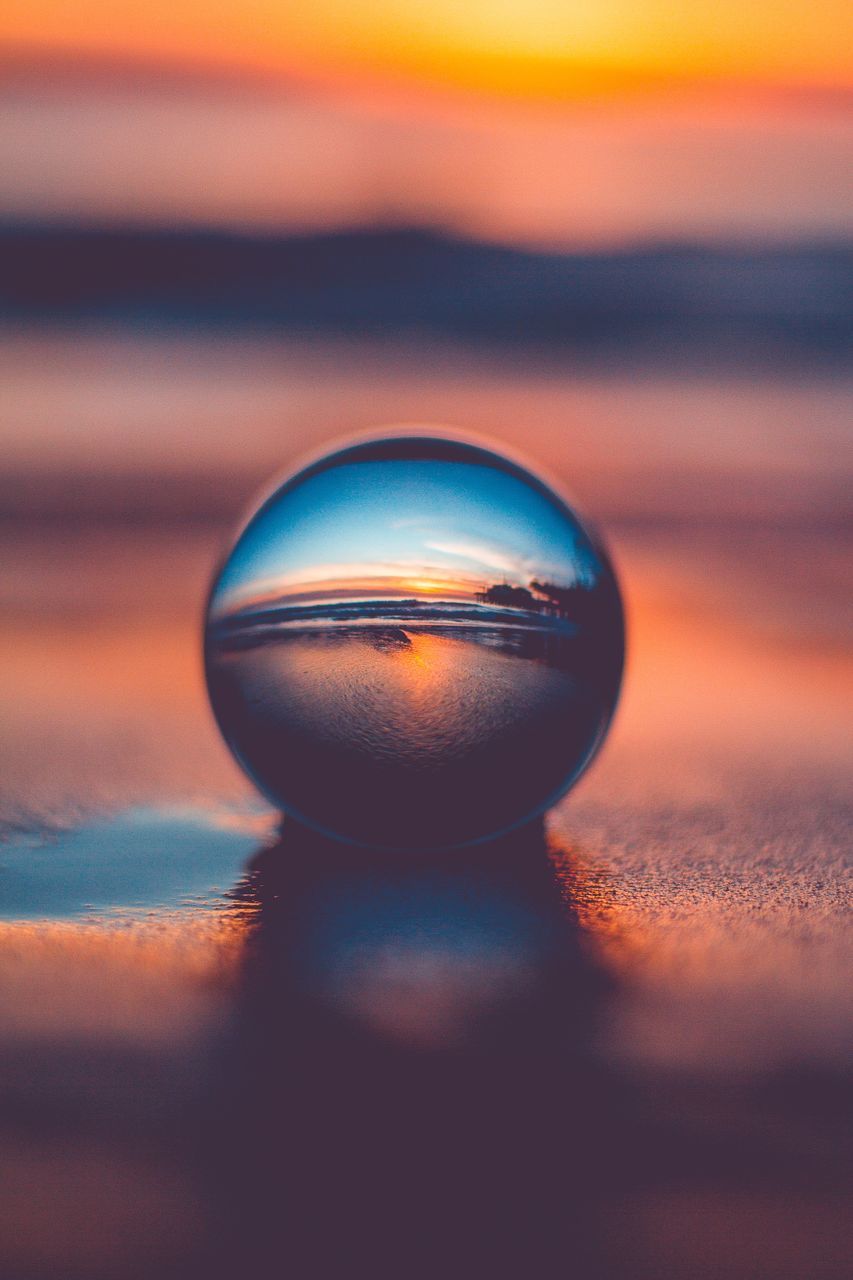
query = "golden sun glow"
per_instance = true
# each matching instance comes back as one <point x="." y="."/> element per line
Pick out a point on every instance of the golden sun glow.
<point x="354" y="582"/>
<point x="560" y="48"/>
<point x="430" y="586"/>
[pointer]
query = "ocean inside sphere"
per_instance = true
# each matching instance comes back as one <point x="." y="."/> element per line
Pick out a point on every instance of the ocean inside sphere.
<point x="414" y="643"/>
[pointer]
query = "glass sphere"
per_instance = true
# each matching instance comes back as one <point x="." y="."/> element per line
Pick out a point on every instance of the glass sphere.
<point x="414" y="643"/>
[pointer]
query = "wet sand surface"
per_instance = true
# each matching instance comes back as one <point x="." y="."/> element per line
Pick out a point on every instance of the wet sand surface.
<point x="647" y="1009"/>
<point x="617" y="1046"/>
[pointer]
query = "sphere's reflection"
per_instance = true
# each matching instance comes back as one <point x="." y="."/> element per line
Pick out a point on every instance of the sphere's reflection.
<point x="414" y="643"/>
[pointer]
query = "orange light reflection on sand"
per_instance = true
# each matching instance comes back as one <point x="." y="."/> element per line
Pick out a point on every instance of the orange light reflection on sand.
<point x="157" y="980"/>
<point x="689" y="854"/>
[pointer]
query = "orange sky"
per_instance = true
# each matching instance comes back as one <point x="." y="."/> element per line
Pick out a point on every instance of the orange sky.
<point x="559" y="48"/>
<point x="355" y="582"/>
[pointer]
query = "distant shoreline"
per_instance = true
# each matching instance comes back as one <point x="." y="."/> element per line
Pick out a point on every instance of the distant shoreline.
<point x="728" y="303"/>
<point x="390" y="613"/>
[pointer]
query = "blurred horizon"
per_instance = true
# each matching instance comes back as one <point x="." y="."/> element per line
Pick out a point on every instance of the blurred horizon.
<point x="619" y="232"/>
<point x="109" y="133"/>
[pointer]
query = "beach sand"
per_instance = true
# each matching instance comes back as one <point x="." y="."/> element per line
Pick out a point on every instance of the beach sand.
<point x="626" y="1038"/>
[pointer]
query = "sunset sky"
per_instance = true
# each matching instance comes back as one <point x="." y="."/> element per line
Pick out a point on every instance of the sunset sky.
<point x="559" y="47"/>
<point x="544" y="122"/>
<point x="402" y="528"/>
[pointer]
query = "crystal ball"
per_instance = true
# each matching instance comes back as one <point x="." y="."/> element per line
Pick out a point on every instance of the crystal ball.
<point x="414" y="643"/>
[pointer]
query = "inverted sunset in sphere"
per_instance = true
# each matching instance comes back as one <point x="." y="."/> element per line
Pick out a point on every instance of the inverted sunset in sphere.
<point x="414" y="643"/>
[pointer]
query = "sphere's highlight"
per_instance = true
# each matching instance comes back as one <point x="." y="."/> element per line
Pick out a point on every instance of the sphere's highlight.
<point x="414" y="643"/>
